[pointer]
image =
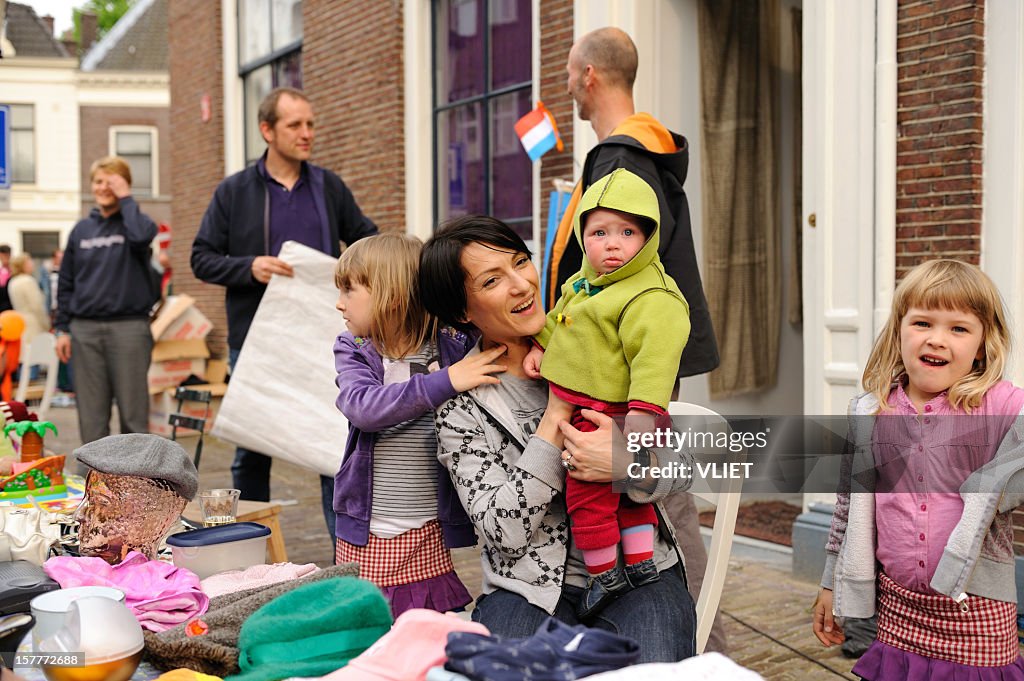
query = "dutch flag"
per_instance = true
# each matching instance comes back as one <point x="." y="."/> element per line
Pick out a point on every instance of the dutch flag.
<point x="538" y="132"/>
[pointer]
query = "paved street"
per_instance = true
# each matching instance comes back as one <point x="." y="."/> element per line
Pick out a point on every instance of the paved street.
<point x="767" y="611"/>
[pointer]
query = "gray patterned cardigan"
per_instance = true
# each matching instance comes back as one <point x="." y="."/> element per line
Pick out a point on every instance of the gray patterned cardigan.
<point x="512" y="486"/>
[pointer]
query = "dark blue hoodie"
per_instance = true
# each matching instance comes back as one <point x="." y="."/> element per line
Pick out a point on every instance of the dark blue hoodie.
<point x="106" y="272"/>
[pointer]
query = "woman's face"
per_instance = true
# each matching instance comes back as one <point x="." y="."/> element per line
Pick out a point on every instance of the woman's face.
<point x="502" y="293"/>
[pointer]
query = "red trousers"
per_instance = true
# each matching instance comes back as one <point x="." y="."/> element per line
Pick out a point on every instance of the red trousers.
<point x="598" y="513"/>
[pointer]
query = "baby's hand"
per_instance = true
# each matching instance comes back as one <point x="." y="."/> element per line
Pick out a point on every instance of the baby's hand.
<point x="558" y="409"/>
<point x="475" y="370"/>
<point x="639" y="421"/>
<point x="531" y="363"/>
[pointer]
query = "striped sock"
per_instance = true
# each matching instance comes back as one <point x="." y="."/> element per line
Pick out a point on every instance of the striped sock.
<point x="638" y="543"/>
<point x="601" y="560"/>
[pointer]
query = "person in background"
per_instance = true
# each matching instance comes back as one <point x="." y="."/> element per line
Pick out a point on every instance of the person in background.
<point x="104" y="295"/>
<point x="5" y="277"/>
<point x="27" y="300"/>
<point x="282" y="197"/>
<point x="49" y="274"/>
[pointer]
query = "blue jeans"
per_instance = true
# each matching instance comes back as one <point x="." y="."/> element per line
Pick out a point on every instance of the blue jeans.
<point x="659" y="616"/>
<point x="250" y="473"/>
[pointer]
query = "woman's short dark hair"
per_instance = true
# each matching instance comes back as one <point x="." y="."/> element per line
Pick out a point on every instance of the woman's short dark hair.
<point x="442" y="279"/>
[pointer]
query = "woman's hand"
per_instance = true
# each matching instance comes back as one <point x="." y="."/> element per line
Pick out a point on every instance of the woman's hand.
<point x="590" y="454"/>
<point x="825" y="627"/>
<point x="475" y="370"/>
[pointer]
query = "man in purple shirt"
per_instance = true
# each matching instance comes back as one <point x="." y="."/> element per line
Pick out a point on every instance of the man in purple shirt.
<point x="281" y="197"/>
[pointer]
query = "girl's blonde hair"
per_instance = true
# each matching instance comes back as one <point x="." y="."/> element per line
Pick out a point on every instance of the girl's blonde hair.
<point x="388" y="265"/>
<point x="17" y="263"/>
<point x="943" y="285"/>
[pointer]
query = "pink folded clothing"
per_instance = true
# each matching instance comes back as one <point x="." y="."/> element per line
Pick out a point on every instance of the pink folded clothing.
<point x="159" y="594"/>
<point x="415" y="643"/>
<point x="254" y="576"/>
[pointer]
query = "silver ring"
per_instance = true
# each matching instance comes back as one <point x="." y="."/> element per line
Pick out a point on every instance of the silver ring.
<point x="565" y="464"/>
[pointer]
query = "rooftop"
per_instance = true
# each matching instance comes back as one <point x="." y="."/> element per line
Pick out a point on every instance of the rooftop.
<point x="29" y="35"/>
<point x="137" y="42"/>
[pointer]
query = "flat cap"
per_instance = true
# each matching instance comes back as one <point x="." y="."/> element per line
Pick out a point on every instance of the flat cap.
<point x="144" y="456"/>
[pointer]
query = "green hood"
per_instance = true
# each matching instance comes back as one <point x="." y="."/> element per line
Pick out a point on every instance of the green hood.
<point x="623" y="191"/>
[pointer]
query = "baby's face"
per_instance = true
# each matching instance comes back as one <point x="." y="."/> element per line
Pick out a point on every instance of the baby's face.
<point x="611" y="239"/>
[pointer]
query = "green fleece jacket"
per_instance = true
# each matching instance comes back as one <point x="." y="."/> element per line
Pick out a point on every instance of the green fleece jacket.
<point x="617" y="337"/>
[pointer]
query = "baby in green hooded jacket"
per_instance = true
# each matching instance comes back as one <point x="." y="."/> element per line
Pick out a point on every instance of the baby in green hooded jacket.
<point x="612" y="343"/>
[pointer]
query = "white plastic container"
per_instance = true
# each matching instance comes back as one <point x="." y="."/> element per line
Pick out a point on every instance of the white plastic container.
<point x="210" y="550"/>
<point x="50" y="609"/>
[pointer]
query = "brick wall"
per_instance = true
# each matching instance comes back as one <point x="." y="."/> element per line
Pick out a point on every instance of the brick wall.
<point x="353" y="71"/>
<point x="95" y="123"/>
<point x="940" y="55"/>
<point x="556" y="19"/>
<point x="196" y="148"/>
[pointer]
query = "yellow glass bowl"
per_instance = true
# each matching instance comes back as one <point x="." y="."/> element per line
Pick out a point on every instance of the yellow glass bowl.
<point x="112" y="670"/>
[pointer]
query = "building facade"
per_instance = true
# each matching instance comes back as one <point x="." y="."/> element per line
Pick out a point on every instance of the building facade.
<point x="68" y="112"/>
<point x="38" y="81"/>
<point x="896" y="137"/>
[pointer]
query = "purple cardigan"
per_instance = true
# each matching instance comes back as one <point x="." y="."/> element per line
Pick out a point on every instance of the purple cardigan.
<point x="370" y="407"/>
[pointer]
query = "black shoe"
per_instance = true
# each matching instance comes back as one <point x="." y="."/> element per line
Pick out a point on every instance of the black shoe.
<point x="602" y="590"/>
<point x="644" y="572"/>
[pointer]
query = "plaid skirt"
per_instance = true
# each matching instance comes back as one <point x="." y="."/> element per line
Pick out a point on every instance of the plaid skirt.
<point x="935" y="637"/>
<point x="413" y="570"/>
<point x="412" y="556"/>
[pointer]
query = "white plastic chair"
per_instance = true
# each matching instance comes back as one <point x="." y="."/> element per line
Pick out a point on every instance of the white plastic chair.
<point x="727" y="504"/>
<point x="42" y="350"/>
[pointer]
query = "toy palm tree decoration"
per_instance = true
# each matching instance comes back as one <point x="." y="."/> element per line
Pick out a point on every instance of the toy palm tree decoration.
<point x="31" y="434"/>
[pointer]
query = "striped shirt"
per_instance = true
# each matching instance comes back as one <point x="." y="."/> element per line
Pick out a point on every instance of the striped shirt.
<point x="405" y="458"/>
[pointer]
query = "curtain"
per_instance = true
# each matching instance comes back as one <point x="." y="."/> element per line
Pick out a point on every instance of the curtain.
<point x="739" y="133"/>
<point x="796" y="269"/>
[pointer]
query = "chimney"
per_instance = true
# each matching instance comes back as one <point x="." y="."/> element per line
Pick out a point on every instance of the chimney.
<point x="48" y="20"/>
<point x="88" y="34"/>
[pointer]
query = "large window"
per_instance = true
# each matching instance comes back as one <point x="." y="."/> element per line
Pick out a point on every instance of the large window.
<point x="137" y="145"/>
<point x="482" y="82"/>
<point x="269" y="55"/>
<point x="23" y="143"/>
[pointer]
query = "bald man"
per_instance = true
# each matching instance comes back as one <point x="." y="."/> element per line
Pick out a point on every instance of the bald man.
<point x="601" y="70"/>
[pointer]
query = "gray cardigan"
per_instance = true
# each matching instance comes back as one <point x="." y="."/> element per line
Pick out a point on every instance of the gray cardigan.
<point x="989" y="493"/>
<point x="512" y="486"/>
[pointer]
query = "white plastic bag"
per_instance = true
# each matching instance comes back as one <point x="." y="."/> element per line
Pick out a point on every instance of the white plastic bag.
<point x="26" y="534"/>
<point x="280" y="400"/>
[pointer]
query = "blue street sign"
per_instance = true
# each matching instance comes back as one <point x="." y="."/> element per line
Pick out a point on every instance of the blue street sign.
<point x="5" y="146"/>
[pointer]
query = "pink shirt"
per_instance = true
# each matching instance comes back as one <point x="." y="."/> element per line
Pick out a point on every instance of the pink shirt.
<point x="922" y="460"/>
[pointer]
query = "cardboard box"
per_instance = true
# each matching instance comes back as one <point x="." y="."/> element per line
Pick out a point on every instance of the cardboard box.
<point x="180" y="319"/>
<point x="217" y="371"/>
<point x="174" y="361"/>
<point x="162" y="404"/>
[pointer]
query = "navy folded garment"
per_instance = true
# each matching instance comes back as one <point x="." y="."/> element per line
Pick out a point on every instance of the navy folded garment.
<point x="556" y="652"/>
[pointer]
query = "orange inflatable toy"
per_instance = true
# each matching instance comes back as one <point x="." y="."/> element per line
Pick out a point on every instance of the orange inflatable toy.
<point x="12" y="325"/>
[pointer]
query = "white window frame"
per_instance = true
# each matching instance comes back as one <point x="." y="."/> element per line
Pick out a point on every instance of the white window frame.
<point x="154" y="150"/>
<point x="35" y="147"/>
